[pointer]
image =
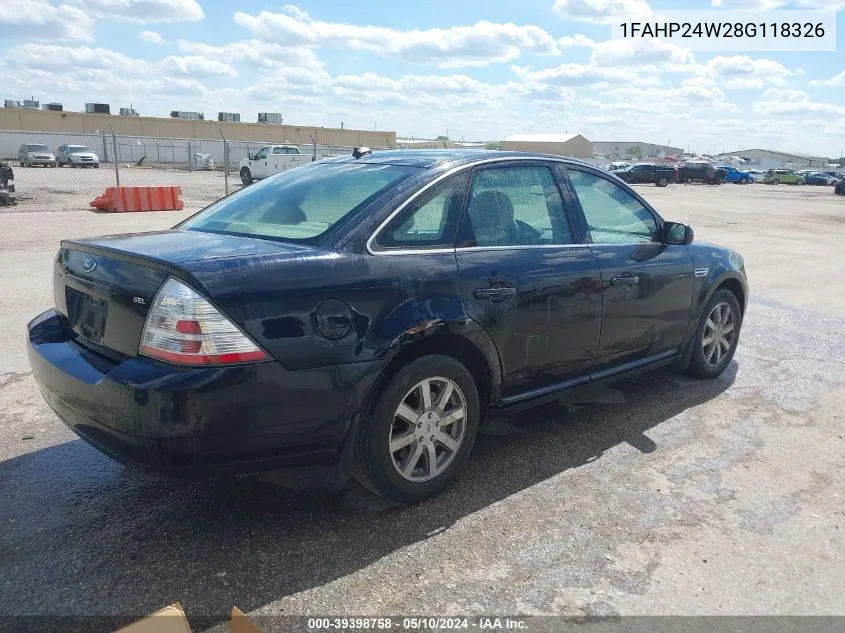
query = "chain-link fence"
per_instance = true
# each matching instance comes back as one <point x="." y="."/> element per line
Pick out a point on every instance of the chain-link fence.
<point x="65" y="172"/>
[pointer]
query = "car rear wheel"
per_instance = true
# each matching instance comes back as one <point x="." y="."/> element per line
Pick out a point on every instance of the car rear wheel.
<point x="718" y="334"/>
<point x="246" y="176"/>
<point x="417" y="434"/>
<point x="745" y="181"/>
<point x="776" y="181"/>
<point x="662" y="182"/>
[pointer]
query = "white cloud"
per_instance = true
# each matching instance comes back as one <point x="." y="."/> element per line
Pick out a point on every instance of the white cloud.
<point x="797" y="109"/>
<point x="40" y="20"/>
<point x="765" y="5"/>
<point x="601" y="11"/>
<point x="836" y="80"/>
<point x="480" y="44"/>
<point x="195" y="66"/>
<point x="56" y="58"/>
<point x="648" y="52"/>
<point x="573" y="74"/>
<point x="778" y="94"/>
<point x="262" y="54"/>
<point x="743" y="72"/>
<point x="143" y="11"/>
<point x="151" y="37"/>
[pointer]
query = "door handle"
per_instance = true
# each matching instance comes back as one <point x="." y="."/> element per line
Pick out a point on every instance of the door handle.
<point x="494" y="294"/>
<point x="624" y="281"/>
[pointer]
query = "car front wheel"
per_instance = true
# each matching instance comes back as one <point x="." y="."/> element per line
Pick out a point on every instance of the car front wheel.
<point x="662" y="182"/>
<point x="419" y="431"/>
<point x="246" y="176"/>
<point x="776" y="181"/>
<point x="718" y="334"/>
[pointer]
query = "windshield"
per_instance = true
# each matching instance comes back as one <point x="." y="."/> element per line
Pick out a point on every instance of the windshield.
<point x="78" y="149"/>
<point x="301" y="204"/>
<point x="37" y="148"/>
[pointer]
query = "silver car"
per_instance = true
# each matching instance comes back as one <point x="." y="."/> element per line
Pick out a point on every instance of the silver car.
<point x="76" y="156"/>
<point x="31" y="154"/>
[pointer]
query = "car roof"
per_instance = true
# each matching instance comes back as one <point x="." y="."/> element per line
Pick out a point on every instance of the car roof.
<point x="431" y="158"/>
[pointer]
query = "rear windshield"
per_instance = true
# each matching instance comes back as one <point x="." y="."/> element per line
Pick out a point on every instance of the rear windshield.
<point x="37" y="148"/>
<point x="299" y="205"/>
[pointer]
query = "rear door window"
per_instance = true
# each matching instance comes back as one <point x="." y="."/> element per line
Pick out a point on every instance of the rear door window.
<point x="430" y="221"/>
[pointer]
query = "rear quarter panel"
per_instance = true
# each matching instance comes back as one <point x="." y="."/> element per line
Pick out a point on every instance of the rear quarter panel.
<point x="393" y="300"/>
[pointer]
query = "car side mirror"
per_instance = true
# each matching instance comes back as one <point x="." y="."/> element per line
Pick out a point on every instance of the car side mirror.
<point x="675" y="233"/>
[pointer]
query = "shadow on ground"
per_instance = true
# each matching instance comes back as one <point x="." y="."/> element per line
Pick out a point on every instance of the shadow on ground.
<point x="80" y="536"/>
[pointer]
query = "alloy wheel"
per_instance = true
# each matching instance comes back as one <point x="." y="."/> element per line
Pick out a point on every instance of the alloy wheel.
<point x="719" y="334"/>
<point x="428" y="429"/>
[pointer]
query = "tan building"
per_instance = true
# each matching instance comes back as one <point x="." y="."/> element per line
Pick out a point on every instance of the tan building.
<point x="20" y="120"/>
<point x="573" y="145"/>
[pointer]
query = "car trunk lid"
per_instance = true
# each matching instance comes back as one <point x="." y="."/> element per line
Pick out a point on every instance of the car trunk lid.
<point x="104" y="286"/>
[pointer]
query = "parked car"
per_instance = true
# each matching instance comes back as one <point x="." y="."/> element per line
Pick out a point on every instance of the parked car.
<point x="756" y="174"/>
<point x="819" y="178"/>
<point x="659" y="175"/>
<point x="734" y="175"/>
<point x="840" y="188"/>
<point x="366" y="315"/>
<point x="76" y="156"/>
<point x="834" y="174"/>
<point x="785" y="176"/>
<point x="699" y="171"/>
<point x="32" y="154"/>
<point x="618" y="166"/>
<point x="269" y="160"/>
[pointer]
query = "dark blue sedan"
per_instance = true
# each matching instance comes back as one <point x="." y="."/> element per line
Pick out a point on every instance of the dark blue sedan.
<point x="365" y="314"/>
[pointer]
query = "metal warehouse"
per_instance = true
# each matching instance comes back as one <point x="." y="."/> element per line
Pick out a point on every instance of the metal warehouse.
<point x="573" y="145"/>
<point x="771" y="159"/>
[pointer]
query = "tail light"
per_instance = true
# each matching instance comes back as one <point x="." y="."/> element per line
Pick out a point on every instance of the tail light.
<point x="182" y="327"/>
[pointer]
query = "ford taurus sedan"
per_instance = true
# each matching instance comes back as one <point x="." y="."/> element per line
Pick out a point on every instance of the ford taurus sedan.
<point x="365" y="314"/>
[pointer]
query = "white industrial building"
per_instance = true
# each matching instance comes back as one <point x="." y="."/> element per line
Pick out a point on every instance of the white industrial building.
<point x="573" y="145"/>
<point x="771" y="159"/>
<point x="628" y="149"/>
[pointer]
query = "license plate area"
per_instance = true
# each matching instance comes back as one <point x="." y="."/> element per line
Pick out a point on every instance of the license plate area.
<point x="87" y="314"/>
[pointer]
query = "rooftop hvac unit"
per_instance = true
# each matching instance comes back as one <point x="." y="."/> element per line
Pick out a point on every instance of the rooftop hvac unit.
<point x="270" y="117"/>
<point x="97" y="108"/>
<point x="31" y="104"/>
<point x="229" y="116"/>
<point x="191" y="116"/>
<point x="53" y="107"/>
<point x="128" y="112"/>
<point x="8" y="103"/>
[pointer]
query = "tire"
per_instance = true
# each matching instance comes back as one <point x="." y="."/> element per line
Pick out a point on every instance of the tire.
<point x="776" y="181"/>
<point x="246" y="176"/>
<point x="662" y="182"/>
<point x="800" y="182"/>
<point x="744" y="181"/>
<point x="378" y="468"/>
<point x="710" y="360"/>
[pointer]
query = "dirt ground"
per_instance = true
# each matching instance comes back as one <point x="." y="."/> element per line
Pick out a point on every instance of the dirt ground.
<point x="68" y="189"/>
<point x="660" y="495"/>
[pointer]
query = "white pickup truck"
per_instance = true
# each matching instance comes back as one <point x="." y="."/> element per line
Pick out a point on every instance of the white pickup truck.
<point x="269" y="160"/>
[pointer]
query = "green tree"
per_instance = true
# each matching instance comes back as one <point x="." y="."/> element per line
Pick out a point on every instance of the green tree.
<point x="635" y="151"/>
<point x="442" y="138"/>
<point x="492" y="145"/>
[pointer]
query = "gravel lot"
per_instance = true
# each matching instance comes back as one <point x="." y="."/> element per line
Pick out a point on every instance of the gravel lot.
<point x="660" y="495"/>
<point x="67" y="189"/>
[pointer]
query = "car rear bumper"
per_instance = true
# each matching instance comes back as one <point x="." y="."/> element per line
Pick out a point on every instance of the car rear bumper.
<point x="197" y="421"/>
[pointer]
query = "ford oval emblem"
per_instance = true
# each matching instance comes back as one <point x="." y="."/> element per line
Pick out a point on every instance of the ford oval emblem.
<point x="89" y="264"/>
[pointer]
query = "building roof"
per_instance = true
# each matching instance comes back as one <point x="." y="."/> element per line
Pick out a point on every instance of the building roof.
<point x="774" y="151"/>
<point x="541" y="138"/>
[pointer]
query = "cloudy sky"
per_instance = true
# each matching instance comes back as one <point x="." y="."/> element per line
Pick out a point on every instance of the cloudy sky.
<point x="482" y="69"/>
